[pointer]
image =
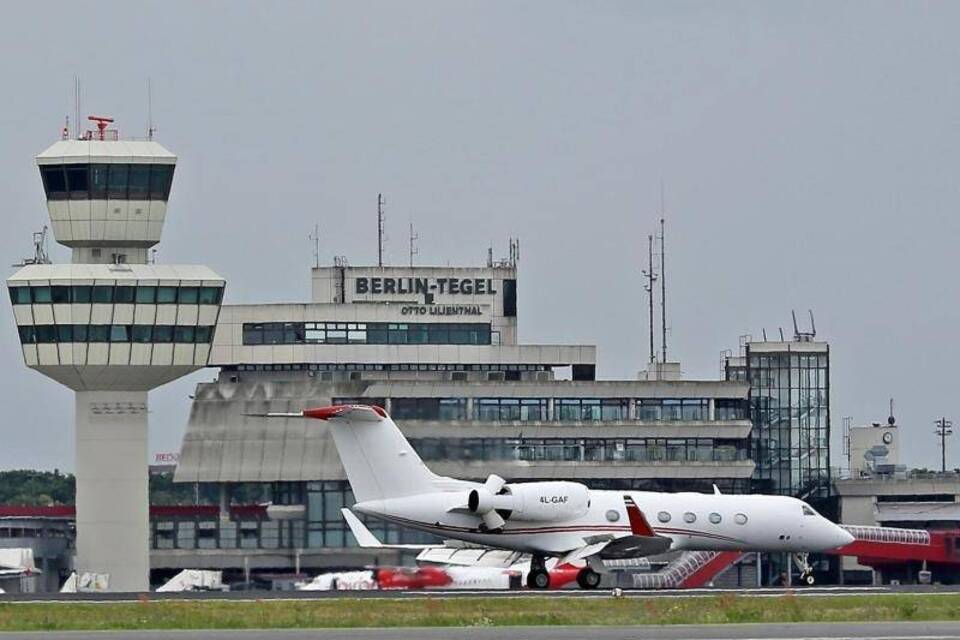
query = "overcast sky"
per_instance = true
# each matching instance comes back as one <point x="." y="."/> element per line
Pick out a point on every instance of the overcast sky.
<point x="809" y="151"/>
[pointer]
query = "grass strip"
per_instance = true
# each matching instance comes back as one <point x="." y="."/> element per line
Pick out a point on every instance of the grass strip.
<point x="440" y="612"/>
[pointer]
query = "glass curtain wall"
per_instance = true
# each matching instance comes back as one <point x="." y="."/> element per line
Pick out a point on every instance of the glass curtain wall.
<point x="790" y="409"/>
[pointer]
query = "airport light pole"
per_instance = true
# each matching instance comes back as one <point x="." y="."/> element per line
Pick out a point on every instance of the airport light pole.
<point x="943" y="430"/>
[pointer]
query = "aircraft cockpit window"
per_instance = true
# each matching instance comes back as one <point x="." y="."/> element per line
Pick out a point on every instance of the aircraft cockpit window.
<point x="807" y="511"/>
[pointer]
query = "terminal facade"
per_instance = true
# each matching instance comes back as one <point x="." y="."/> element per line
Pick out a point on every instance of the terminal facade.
<point x="438" y="348"/>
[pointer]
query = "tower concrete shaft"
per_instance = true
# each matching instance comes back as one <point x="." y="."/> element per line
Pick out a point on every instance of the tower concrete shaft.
<point x="112" y="494"/>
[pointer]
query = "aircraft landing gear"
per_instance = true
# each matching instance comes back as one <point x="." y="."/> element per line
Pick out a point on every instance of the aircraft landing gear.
<point x="538" y="578"/>
<point x="802" y="560"/>
<point x="588" y="578"/>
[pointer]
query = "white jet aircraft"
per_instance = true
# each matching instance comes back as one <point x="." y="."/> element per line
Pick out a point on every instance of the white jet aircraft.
<point x="566" y="520"/>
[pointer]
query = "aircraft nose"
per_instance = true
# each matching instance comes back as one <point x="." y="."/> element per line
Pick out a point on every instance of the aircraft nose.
<point x="843" y="537"/>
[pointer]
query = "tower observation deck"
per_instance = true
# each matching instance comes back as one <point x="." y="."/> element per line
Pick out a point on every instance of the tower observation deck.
<point x="111" y="327"/>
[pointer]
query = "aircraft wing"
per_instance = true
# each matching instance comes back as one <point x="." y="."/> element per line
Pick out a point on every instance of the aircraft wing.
<point x="642" y="541"/>
<point x="471" y="556"/>
<point x="367" y="540"/>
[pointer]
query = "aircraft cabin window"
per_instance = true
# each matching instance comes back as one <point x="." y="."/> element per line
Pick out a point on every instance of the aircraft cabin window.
<point x="689" y="517"/>
<point x="807" y="511"/>
<point x="613" y="515"/>
<point x="663" y="516"/>
<point x="715" y="518"/>
<point x="740" y="518"/>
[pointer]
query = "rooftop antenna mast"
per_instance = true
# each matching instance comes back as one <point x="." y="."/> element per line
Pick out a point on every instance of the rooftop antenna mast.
<point x="150" y="128"/>
<point x="414" y="250"/>
<point x="76" y="106"/>
<point x="663" y="280"/>
<point x="315" y="237"/>
<point x="651" y="277"/>
<point x="944" y="429"/>
<point x="380" y="203"/>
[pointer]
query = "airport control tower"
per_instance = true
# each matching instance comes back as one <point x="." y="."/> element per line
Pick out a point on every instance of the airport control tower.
<point x="112" y="326"/>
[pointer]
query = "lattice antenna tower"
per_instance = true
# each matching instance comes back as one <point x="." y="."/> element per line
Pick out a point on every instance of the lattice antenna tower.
<point x="651" y="278"/>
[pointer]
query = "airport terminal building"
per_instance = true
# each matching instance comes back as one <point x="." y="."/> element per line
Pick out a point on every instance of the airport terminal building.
<point x="438" y="348"/>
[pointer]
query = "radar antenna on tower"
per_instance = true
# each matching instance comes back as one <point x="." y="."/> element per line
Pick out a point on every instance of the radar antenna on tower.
<point x="40" y="255"/>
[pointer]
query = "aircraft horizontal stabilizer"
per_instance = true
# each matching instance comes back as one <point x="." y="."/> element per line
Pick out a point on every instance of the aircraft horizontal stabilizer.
<point x="355" y="412"/>
<point x="367" y="540"/>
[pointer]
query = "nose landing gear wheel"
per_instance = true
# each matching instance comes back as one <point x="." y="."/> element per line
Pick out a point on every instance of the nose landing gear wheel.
<point x="538" y="579"/>
<point x="588" y="578"/>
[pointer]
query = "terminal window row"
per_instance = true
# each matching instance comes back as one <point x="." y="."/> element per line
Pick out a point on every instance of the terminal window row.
<point x="365" y="333"/>
<point x="581" y="449"/>
<point x="115" y="294"/>
<point x="537" y="409"/>
<point x="387" y="367"/>
<point x="107" y="181"/>
<point x="138" y="333"/>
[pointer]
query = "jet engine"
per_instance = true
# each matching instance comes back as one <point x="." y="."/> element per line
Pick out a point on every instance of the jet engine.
<point x="497" y="501"/>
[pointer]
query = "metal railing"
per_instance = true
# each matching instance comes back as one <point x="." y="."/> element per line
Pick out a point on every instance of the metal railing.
<point x="889" y="534"/>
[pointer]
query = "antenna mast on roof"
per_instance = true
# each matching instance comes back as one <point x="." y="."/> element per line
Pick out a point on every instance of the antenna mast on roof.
<point x="76" y="106"/>
<point x="150" y="128"/>
<point x="315" y="236"/>
<point x="414" y="250"/>
<point x="663" y="280"/>
<point x="648" y="287"/>
<point x="380" y="203"/>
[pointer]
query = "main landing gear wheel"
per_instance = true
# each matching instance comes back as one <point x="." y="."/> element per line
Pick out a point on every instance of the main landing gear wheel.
<point x="538" y="579"/>
<point x="588" y="578"/>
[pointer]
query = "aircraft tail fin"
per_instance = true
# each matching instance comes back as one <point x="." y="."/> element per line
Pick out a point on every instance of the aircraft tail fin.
<point x="376" y="456"/>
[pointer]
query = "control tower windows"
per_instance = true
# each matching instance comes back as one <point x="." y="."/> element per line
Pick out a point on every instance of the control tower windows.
<point x="139" y="186"/>
<point x="81" y="294"/>
<point x="65" y="333"/>
<point x="77" y="181"/>
<point x="161" y="175"/>
<point x="103" y="294"/>
<point x="210" y="295"/>
<point x="117" y="182"/>
<point x="189" y="295"/>
<point x="98" y="181"/>
<point x="54" y="181"/>
<point x="146" y="295"/>
<point x="107" y="181"/>
<point x="124" y="294"/>
<point x="20" y="295"/>
<point x="166" y="295"/>
<point x="120" y="294"/>
<point x="60" y="295"/>
<point x="42" y="295"/>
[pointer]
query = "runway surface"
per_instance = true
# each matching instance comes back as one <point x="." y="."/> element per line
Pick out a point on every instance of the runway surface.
<point x="832" y="631"/>
<point x="562" y="593"/>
